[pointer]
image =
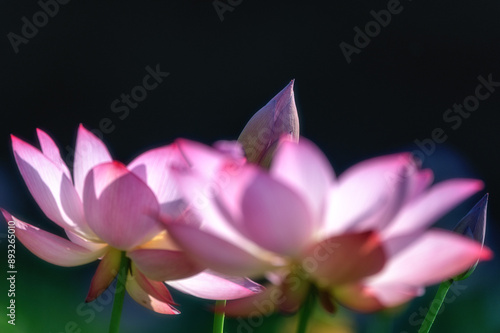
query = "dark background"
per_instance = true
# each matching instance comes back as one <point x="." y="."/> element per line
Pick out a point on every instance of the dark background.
<point x="395" y="91"/>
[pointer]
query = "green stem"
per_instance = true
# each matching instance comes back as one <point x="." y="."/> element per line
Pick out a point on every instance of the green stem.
<point x="119" y="294"/>
<point x="306" y="311"/>
<point x="435" y="306"/>
<point x="219" y="317"/>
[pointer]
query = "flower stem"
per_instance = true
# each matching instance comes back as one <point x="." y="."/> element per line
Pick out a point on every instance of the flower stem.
<point x="435" y="306"/>
<point x="219" y="317"/>
<point x="119" y="294"/>
<point x="306" y="311"/>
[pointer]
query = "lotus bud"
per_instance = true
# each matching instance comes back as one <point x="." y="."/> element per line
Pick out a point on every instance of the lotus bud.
<point x="473" y="225"/>
<point x="262" y="133"/>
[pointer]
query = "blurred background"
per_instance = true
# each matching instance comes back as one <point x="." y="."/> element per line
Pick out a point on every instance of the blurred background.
<point x="360" y="93"/>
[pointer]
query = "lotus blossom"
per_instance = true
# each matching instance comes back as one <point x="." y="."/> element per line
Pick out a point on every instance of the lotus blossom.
<point x="262" y="133"/>
<point x="360" y="239"/>
<point x="107" y="208"/>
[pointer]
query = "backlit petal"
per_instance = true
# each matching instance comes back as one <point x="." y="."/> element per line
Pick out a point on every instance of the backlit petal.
<point x="89" y="152"/>
<point x="304" y="168"/>
<point x="51" y="188"/>
<point x="105" y="274"/>
<point x="211" y="285"/>
<point x="52" y="248"/>
<point x="119" y="207"/>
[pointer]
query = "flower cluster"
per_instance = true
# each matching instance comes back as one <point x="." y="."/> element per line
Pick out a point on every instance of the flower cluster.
<point x="204" y="220"/>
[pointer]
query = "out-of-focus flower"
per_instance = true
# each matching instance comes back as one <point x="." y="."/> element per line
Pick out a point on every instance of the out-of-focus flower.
<point x="473" y="225"/>
<point x="359" y="239"/>
<point x="262" y="133"/>
<point x="107" y="208"/>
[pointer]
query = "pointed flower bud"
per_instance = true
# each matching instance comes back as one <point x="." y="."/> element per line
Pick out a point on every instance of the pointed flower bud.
<point x="473" y="225"/>
<point x="261" y="135"/>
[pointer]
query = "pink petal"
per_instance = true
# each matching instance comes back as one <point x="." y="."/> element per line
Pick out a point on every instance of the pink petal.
<point x="203" y="213"/>
<point x="231" y="149"/>
<point x="345" y="258"/>
<point x="394" y="294"/>
<point x="369" y="194"/>
<point x="120" y="207"/>
<point x="50" y="187"/>
<point x="162" y="265"/>
<point x="267" y="212"/>
<point x="52" y="248"/>
<point x="419" y="182"/>
<point x="105" y="274"/>
<point x="305" y="169"/>
<point x="156" y="289"/>
<point x="154" y="168"/>
<point x="216" y="286"/>
<point x="202" y="159"/>
<point x="261" y="304"/>
<point x="356" y="297"/>
<point x="434" y="257"/>
<point x="286" y="297"/>
<point x="50" y="150"/>
<point x="431" y="205"/>
<point x="216" y="253"/>
<point x="90" y="151"/>
<point x="157" y="301"/>
<point x="88" y="244"/>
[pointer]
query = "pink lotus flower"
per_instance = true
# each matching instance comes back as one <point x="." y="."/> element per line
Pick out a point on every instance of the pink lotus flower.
<point x="262" y="133"/>
<point x="359" y="239"/>
<point x="107" y="208"/>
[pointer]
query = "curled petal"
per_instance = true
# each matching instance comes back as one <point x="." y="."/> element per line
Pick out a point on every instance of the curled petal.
<point x="216" y="286"/>
<point x="105" y="274"/>
<point x="149" y="295"/>
<point x="154" y="288"/>
<point x="119" y="207"/>
<point x="52" y="248"/>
